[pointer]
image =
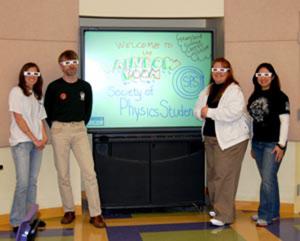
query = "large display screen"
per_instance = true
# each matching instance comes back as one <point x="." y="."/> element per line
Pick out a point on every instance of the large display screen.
<point x="145" y="78"/>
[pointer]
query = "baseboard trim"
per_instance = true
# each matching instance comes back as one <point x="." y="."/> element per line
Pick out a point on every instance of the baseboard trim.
<point x="44" y="213"/>
<point x="253" y="206"/>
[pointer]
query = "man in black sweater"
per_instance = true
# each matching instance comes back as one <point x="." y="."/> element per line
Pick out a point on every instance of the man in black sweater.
<point x="68" y="103"/>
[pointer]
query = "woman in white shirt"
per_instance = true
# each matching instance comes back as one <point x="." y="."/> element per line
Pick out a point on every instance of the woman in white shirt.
<point x="28" y="138"/>
<point x="225" y="129"/>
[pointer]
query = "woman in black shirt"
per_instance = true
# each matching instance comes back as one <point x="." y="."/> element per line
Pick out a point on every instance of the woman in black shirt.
<point x="269" y="109"/>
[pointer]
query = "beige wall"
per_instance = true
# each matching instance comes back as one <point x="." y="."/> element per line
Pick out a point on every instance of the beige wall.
<point x="297" y="178"/>
<point x="154" y="8"/>
<point x="36" y="32"/>
<point x="260" y="31"/>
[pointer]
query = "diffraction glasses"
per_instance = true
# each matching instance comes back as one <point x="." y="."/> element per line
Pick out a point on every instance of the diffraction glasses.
<point x="29" y="73"/>
<point x="69" y="62"/>
<point x="263" y="74"/>
<point x="220" y="70"/>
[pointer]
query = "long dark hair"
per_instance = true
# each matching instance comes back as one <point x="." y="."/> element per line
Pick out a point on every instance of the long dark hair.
<point x="38" y="86"/>
<point x="275" y="83"/>
<point x="230" y="79"/>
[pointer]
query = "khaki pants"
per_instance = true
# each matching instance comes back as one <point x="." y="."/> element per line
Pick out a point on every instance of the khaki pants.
<point x="223" y="172"/>
<point x="73" y="136"/>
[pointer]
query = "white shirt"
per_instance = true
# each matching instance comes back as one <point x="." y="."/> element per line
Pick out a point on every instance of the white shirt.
<point x="232" y="125"/>
<point x="32" y="111"/>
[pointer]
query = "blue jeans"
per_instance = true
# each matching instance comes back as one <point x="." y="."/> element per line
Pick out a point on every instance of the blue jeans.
<point x="27" y="161"/>
<point x="268" y="167"/>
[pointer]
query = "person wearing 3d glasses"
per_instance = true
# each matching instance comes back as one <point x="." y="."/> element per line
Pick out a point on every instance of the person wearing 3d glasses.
<point x="27" y="139"/>
<point x="225" y="129"/>
<point x="270" y="110"/>
<point x="68" y="103"/>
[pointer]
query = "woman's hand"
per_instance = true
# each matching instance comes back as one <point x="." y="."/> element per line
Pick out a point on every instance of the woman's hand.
<point x="204" y="112"/>
<point x="279" y="153"/>
<point x="39" y="144"/>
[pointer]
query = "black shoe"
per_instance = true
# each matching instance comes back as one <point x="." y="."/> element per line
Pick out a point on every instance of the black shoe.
<point x="41" y="224"/>
<point x="38" y="224"/>
<point x="15" y="229"/>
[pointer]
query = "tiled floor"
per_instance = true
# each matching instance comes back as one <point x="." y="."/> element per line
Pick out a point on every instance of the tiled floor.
<point x="178" y="225"/>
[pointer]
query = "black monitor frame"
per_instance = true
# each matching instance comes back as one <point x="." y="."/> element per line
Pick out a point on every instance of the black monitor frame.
<point x="141" y="130"/>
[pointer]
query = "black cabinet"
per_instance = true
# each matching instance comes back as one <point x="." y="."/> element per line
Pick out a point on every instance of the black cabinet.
<point x="145" y="171"/>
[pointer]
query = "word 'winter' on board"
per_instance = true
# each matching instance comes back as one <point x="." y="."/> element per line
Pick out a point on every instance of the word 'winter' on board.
<point x="144" y="67"/>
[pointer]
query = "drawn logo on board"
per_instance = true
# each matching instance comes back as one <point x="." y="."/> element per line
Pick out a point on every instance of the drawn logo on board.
<point x="188" y="82"/>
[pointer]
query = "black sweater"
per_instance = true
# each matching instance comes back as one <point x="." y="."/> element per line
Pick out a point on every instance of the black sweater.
<point x="67" y="102"/>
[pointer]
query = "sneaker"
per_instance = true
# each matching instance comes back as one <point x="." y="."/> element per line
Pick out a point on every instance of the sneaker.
<point x="68" y="218"/>
<point x="261" y="223"/>
<point x="212" y="213"/>
<point x="98" y="221"/>
<point x="217" y="222"/>
<point x="255" y="218"/>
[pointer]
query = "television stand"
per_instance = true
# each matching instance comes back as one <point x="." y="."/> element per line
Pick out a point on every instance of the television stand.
<point x="149" y="169"/>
